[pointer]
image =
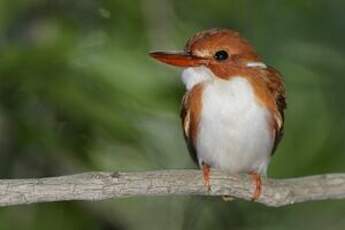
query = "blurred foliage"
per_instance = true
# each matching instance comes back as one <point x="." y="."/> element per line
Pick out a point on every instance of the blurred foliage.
<point x="79" y="93"/>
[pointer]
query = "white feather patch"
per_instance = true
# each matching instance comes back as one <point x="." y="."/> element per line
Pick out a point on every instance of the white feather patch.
<point x="257" y="64"/>
<point x="195" y="75"/>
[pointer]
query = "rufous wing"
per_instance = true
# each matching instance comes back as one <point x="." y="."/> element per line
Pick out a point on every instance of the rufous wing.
<point x="190" y="116"/>
<point x="276" y="87"/>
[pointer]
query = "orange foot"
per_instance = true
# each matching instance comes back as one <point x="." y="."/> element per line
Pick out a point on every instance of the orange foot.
<point x="258" y="185"/>
<point x="206" y="175"/>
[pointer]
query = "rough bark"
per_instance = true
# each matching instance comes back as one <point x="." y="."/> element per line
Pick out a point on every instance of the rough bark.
<point x="105" y="185"/>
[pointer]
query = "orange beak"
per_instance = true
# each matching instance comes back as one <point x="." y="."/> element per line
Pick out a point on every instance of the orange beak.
<point x="180" y="59"/>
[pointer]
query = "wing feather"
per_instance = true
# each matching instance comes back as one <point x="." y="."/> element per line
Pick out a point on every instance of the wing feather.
<point x="185" y="118"/>
<point x="276" y="86"/>
<point x="190" y="115"/>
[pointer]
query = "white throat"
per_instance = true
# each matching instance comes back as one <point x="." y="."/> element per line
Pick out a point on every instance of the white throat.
<point x="195" y="75"/>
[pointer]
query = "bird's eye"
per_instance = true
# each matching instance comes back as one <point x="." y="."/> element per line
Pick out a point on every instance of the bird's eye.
<point x="221" y="55"/>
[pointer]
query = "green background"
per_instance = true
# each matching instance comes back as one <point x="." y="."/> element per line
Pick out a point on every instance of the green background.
<point x="78" y="92"/>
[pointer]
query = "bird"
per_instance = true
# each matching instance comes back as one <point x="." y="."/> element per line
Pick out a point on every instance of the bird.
<point x="233" y="109"/>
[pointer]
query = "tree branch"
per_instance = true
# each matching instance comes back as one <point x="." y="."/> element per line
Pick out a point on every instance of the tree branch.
<point x="105" y="185"/>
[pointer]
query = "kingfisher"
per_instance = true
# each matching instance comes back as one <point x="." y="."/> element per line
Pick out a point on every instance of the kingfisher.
<point x="233" y="109"/>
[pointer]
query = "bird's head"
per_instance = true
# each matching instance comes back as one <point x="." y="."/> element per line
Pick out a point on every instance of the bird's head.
<point x="217" y="49"/>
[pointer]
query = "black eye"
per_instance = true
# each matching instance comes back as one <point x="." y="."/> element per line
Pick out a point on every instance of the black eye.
<point x="221" y="55"/>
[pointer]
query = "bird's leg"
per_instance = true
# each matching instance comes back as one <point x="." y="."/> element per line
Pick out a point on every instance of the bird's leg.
<point x="256" y="178"/>
<point x="206" y="175"/>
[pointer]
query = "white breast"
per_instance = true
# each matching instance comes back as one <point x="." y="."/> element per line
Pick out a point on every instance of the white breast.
<point x="234" y="132"/>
